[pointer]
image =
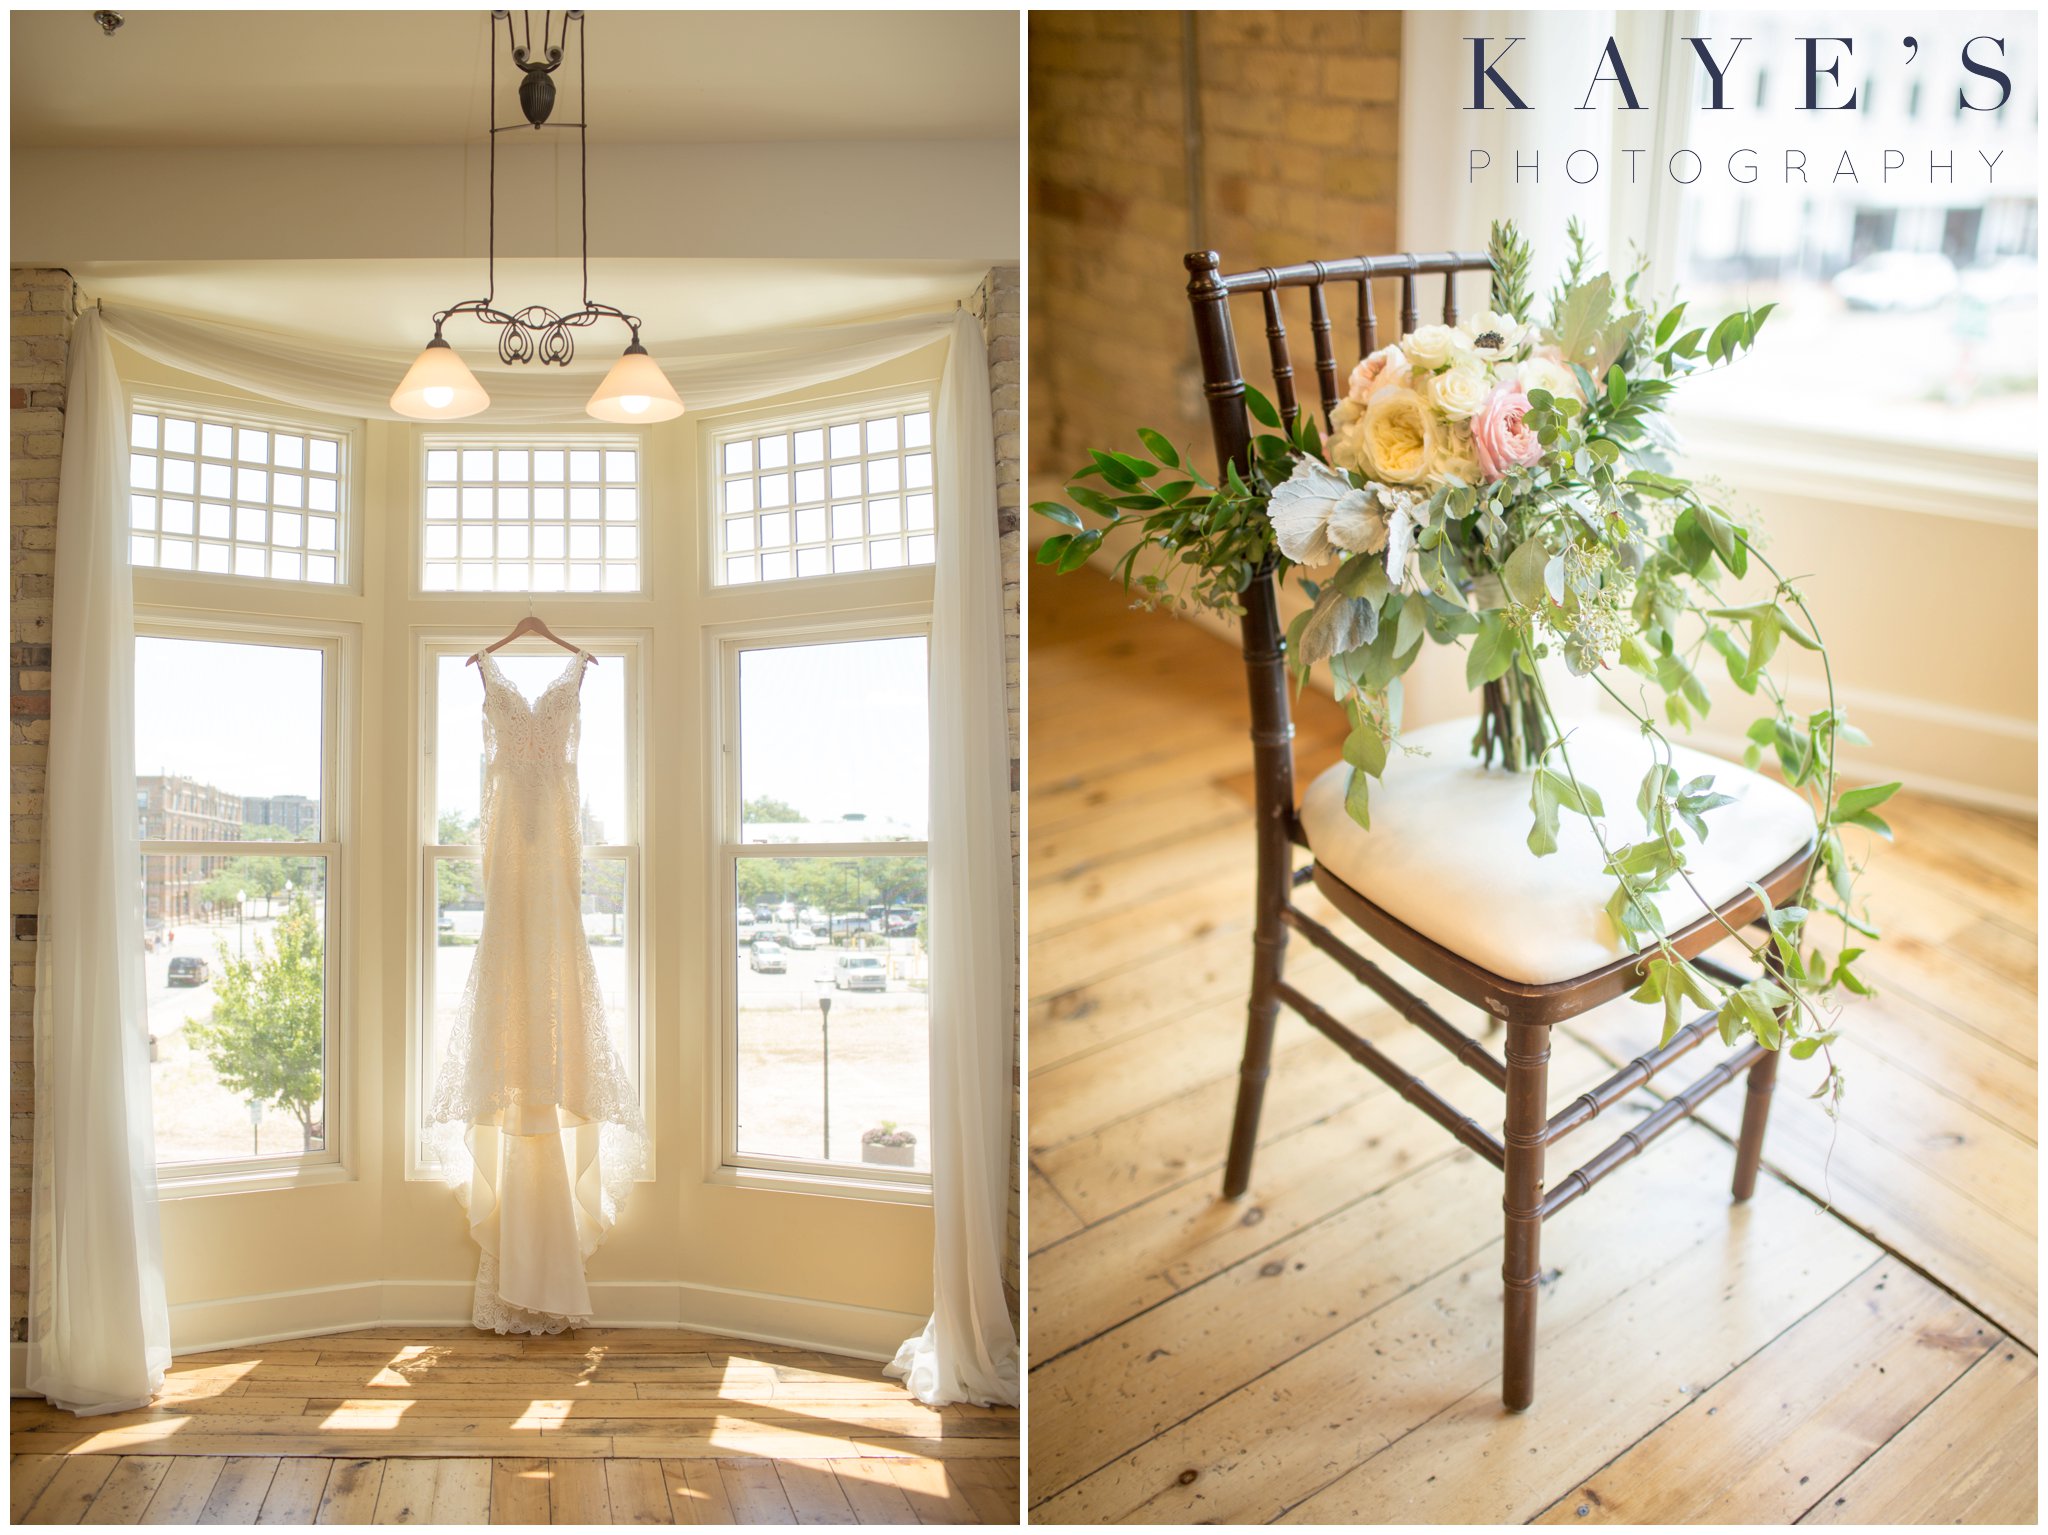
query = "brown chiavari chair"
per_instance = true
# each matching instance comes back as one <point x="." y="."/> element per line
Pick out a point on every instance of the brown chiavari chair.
<point x="1528" y="1010"/>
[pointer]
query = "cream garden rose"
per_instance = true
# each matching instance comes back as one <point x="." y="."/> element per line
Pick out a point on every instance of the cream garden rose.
<point x="1400" y="435"/>
<point x="1389" y="365"/>
<point x="1459" y="391"/>
<point x="1544" y="369"/>
<point x="1432" y="346"/>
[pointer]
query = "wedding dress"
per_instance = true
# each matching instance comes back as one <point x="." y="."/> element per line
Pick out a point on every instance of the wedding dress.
<point x="533" y="1120"/>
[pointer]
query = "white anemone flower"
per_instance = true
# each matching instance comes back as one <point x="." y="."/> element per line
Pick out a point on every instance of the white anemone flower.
<point x="1494" y="336"/>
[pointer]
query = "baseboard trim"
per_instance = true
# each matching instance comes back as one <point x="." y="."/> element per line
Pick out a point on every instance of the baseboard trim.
<point x="791" y="1321"/>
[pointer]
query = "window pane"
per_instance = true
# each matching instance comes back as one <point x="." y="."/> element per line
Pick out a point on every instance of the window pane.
<point x="830" y="981"/>
<point x="852" y="459"/>
<point x="459" y="741"/>
<point x="228" y="740"/>
<point x="234" y="966"/>
<point x="866" y="700"/>
<point x="238" y="496"/>
<point x="513" y="492"/>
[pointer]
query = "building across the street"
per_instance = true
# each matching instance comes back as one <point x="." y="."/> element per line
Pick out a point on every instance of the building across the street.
<point x="295" y="814"/>
<point x="172" y="808"/>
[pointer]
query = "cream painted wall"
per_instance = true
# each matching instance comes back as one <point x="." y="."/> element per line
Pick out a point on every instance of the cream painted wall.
<point x="682" y="1242"/>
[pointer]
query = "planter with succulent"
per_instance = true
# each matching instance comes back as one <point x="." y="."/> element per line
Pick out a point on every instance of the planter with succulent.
<point x="888" y="1146"/>
<point x="1506" y="485"/>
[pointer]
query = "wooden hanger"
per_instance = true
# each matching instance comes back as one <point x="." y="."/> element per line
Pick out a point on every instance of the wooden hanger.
<point x="530" y="624"/>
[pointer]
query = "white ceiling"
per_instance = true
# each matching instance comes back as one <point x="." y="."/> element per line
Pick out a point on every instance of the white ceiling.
<point x="392" y="303"/>
<point x="294" y="78"/>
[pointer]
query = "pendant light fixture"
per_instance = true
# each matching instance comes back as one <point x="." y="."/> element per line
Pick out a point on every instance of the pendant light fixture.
<point x="439" y="385"/>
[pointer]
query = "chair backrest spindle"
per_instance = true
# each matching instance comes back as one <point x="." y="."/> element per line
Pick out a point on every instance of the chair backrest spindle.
<point x="1283" y="361"/>
<point x="1368" y="322"/>
<point x="1408" y="314"/>
<point x="1451" y="297"/>
<point x="1326" y="347"/>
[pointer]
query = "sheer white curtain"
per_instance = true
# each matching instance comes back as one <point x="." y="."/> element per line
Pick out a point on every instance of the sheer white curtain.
<point x="99" y="1334"/>
<point x="968" y="1351"/>
<point x="357" y="381"/>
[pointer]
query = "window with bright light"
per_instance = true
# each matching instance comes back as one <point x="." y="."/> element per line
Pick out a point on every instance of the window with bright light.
<point x="230" y="495"/>
<point x="824" y="918"/>
<point x="453" y="773"/>
<point x="234" y="755"/>
<point x="1906" y="277"/>
<point x="531" y="515"/>
<point x="828" y="494"/>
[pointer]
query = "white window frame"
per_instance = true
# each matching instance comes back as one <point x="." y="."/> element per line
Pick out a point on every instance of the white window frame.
<point x="156" y="399"/>
<point x="337" y="643"/>
<point x="722" y="648"/>
<point x="714" y="432"/>
<point x="627" y="647"/>
<point x="523" y="438"/>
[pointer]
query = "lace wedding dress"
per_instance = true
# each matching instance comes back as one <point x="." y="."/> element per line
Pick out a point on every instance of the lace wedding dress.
<point x="533" y="1120"/>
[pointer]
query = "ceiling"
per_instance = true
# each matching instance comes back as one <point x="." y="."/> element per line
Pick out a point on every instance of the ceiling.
<point x="300" y="78"/>
<point x="392" y="303"/>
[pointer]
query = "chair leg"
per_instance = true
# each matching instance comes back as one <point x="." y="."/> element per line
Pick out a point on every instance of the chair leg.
<point x="1528" y="1062"/>
<point x="1756" y="1114"/>
<point x="1269" y="950"/>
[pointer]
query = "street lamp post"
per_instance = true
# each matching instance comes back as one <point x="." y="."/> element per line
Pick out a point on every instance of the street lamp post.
<point x="255" y="1126"/>
<point x="825" y="1042"/>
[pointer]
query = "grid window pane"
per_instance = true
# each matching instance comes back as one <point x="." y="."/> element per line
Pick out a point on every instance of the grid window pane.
<point x="501" y="517"/>
<point x="830" y="497"/>
<point x="248" y="509"/>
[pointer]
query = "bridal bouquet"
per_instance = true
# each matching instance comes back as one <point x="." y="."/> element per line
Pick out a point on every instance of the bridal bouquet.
<point x="1504" y="485"/>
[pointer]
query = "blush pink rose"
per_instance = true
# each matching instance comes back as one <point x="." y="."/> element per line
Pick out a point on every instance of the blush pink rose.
<point x="1500" y="441"/>
<point x="1389" y="365"/>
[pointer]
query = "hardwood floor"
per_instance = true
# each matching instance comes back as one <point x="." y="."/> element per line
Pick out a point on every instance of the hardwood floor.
<point x="426" y="1425"/>
<point x="1857" y="1344"/>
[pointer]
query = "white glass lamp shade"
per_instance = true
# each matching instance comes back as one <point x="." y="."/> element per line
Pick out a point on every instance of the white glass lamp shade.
<point x="635" y="390"/>
<point x="439" y="387"/>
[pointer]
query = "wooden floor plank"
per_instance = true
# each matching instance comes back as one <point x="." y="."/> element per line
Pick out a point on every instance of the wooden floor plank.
<point x="696" y="1492"/>
<point x="519" y="1490"/>
<point x="577" y="1493"/>
<point x="989" y="1490"/>
<point x="295" y="1491"/>
<point x="871" y="1491"/>
<point x="129" y="1488"/>
<point x="1801" y="1414"/>
<point x="933" y="1492"/>
<point x="28" y="1474"/>
<point x="637" y="1492"/>
<point x="815" y="1497"/>
<point x="68" y="1494"/>
<point x="351" y="1493"/>
<point x="181" y="1496"/>
<point x="1968" y="1458"/>
<point x="239" y="1491"/>
<point x="755" y="1491"/>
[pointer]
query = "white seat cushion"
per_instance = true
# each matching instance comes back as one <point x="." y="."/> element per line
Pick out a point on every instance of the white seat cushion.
<point x="1448" y="853"/>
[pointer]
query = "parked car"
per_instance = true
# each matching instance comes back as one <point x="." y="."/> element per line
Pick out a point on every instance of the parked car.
<point x="859" y="972"/>
<point x="800" y="937"/>
<point x="766" y="956"/>
<point x="188" y="970"/>
<point x="1897" y="280"/>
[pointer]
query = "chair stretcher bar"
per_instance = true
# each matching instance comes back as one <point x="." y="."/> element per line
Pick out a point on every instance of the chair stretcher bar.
<point x="1629" y="1078"/>
<point x="1633" y="1141"/>
<point x="1418" y="1012"/>
<point x="1407" y="1085"/>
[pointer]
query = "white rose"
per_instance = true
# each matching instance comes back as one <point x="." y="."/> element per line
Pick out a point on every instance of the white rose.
<point x="1431" y="346"/>
<point x="1459" y="391"/>
<point x="1493" y="336"/>
<point x="1540" y="372"/>
<point x="1346" y="443"/>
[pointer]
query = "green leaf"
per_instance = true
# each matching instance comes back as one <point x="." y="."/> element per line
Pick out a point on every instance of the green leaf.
<point x="1158" y="446"/>
<point x="1366" y="749"/>
<point x="1580" y="797"/>
<point x="1357" y="800"/>
<point x="1668" y="324"/>
<point x="1050" y="551"/>
<point x="1543" y="802"/>
<point x="1079" y="547"/>
<point x="1261" y="408"/>
<point x="1523" y="573"/>
<point x="1063" y="515"/>
<point x="1855" y="802"/>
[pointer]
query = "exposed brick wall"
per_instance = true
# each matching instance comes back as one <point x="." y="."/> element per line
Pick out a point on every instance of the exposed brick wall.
<point x="41" y="318"/>
<point x="995" y="304"/>
<point x="1295" y="114"/>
